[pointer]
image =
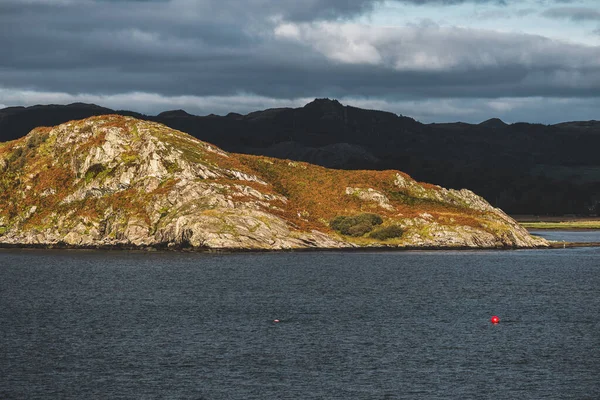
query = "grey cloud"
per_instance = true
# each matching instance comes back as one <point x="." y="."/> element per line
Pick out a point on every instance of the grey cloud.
<point x="293" y="10"/>
<point x="504" y="13"/>
<point x="305" y="10"/>
<point x="175" y="48"/>
<point x="190" y="48"/>
<point x="452" y="2"/>
<point x="573" y="13"/>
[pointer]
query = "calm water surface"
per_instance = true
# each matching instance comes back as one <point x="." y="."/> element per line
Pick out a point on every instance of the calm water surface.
<point x="581" y="236"/>
<point x="394" y="325"/>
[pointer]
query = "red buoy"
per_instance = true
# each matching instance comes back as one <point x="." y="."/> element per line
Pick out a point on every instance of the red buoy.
<point x="495" y="319"/>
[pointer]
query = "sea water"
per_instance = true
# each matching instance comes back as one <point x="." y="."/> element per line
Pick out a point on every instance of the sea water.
<point x="579" y="236"/>
<point x="353" y="325"/>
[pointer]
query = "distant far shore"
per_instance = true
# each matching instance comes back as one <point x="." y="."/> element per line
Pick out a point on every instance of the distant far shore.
<point x="566" y="222"/>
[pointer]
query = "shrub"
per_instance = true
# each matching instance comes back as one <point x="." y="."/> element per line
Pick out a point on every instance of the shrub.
<point x="360" y="229"/>
<point x="357" y="225"/>
<point x="171" y="167"/>
<point x="36" y="139"/>
<point x="388" y="232"/>
<point x="15" y="155"/>
<point x="339" y="223"/>
<point x="372" y="219"/>
<point x="93" y="171"/>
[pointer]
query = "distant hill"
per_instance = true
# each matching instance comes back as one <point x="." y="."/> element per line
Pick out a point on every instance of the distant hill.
<point x="522" y="168"/>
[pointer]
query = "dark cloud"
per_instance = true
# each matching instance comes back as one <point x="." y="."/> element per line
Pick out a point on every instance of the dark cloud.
<point x="293" y="10"/>
<point x="305" y="10"/>
<point x="280" y="49"/>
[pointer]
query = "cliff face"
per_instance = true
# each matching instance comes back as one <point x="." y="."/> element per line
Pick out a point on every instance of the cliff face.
<point x="118" y="181"/>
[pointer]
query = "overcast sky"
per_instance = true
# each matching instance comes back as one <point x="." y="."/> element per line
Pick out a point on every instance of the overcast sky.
<point x="433" y="60"/>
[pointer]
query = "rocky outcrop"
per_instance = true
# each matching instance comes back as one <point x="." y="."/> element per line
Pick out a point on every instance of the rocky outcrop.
<point x="115" y="181"/>
<point x="372" y="195"/>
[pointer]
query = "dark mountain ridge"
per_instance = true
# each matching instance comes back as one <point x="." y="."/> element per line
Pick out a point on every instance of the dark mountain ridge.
<point x="522" y="168"/>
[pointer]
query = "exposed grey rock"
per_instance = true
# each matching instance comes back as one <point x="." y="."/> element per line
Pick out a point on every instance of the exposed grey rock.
<point x="370" y="194"/>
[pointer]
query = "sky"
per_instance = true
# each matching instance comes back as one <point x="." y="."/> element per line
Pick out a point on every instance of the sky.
<point x="433" y="60"/>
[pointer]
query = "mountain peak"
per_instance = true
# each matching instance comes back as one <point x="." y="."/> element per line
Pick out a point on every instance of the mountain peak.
<point x="493" y="123"/>
<point x="89" y="106"/>
<point x="174" y="114"/>
<point x="325" y="104"/>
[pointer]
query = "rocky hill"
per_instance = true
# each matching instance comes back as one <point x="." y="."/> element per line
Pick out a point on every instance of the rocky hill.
<point x="521" y="168"/>
<point x="115" y="181"/>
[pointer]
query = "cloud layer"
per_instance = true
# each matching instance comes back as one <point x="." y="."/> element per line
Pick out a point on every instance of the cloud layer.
<point x="277" y="52"/>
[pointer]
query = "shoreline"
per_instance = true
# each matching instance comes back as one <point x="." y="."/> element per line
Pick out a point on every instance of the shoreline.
<point x="165" y="249"/>
<point x="566" y="223"/>
<point x="570" y="245"/>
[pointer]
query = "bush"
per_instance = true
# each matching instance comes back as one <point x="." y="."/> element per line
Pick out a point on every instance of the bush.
<point x="338" y="223"/>
<point x="388" y="232"/>
<point x="360" y="229"/>
<point x="15" y="155"/>
<point x="93" y="171"/>
<point x="36" y="139"/>
<point x="372" y="219"/>
<point x="357" y="225"/>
